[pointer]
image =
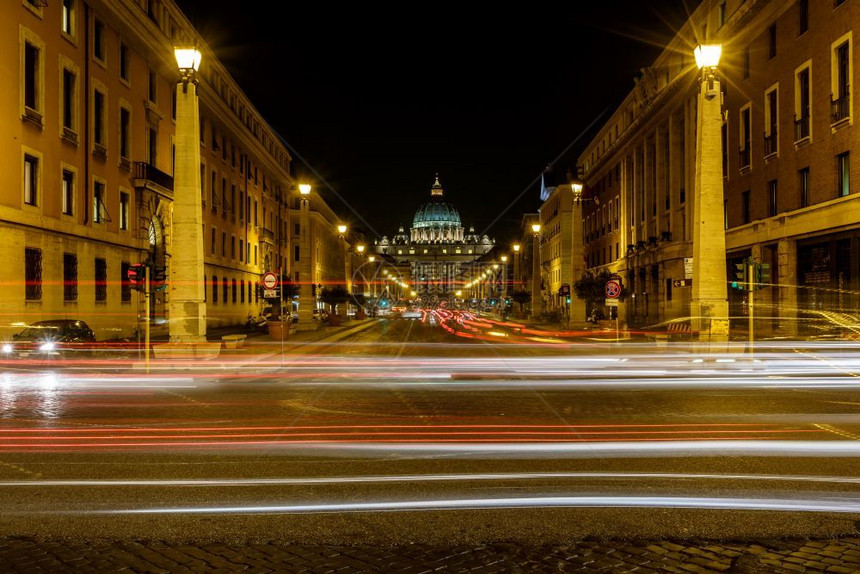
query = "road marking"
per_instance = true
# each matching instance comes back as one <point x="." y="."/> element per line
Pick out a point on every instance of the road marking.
<point x="837" y="431"/>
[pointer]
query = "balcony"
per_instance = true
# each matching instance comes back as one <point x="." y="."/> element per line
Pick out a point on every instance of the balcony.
<point x="744" y="158"/>
<point x="840" y="108"/>
<point x="770" y="144"/>
<point x="149" y="177"/>
<point x="266" y="236"/>
<point x="801" y="128"/>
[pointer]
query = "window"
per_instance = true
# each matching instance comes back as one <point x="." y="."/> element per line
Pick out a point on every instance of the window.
<point x="296" y="253"/>
<point x="32" y="274"/>
<point x="803" y="186"/>
<point x="214" y="288"/>
<point x="224" y="288"/>
<point x="843" y="174"/>
<point x="745" y="130"/>
<point x="68" y="192"/>
<point x="771" y="41"/>
<point x="255" y="254"/>
<point x="123" y="210"/>
<point x="33" y="79"/>
<point x="101" y="279"/>
<point x="242" y="291"/>
<point x="241" y="250"/>
<point x="223" y="244"/>
<point x="801" y="106"/>
<point x="124" y="133"/>
<point x="152" y="146"/>
<point x="772" y="205"/>
<point x="99" y="118"/>
<point x="234" y="290"/>
<point x="31" y="180"/>
<point x="802" y="17"/>
<point x="98" y="202"/>
<point x="70" y="277"/>
<point x="125" y="284"/>
<point x="68" y="109"/>
<point x="124" y="62"/>
<point x="771" y="111"/>
<point x="213" y="241"/>
<point x="233" y="247"/>
<point x="152" y="88"/>
<point x="841" y="67"/>
<point x="99" y="41"/>
<point x="68" y="17"/>
<point x="745" y="206"/>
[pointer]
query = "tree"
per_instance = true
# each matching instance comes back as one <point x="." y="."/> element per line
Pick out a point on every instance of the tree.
<point x="591" y="287"/>
<point x="334" y="297"/>
<point x="521" y="297"/>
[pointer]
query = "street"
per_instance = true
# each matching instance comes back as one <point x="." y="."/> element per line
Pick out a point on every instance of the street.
<point x="405" y="433"/>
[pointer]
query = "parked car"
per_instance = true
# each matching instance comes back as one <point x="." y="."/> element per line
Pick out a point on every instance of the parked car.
<point x="412" y="314"/>
<point x="51" y="339"/>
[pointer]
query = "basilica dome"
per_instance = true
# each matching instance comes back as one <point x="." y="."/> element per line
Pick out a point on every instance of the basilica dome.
<point x="436" y="212"/>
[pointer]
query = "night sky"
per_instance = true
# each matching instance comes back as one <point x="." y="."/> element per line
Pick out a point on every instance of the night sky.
<point x="377" y="101"/>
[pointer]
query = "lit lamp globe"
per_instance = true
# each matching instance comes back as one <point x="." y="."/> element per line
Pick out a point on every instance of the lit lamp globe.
<point x="371" y="258"/>
<point x="341" y="229"/>
<point x="504" y="258"/>
<point x="516" y="247"/>
<point x="536" y="228"/>
<point x="708" y="55"/>
<point x="305" y="188"/>
<point x="359" y="248"/>
<point x="187" y="59"/>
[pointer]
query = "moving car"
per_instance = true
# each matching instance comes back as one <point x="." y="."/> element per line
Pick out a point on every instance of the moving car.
<point x="412" y="314"/>
<point x="49" y="339"/>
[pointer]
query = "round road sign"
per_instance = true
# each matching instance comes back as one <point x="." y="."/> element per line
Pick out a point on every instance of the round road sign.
<point x="613" y="289"/>
<point x="270" y="280"/>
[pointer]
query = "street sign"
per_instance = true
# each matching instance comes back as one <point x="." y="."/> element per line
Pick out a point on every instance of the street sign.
<point x="270" y="294"/>
<point x="270" y="280"/>
<point x="564" y="290"/>
<point x="611" y="303"/>
<point x="688" y="267"/>
<point x="682" y="283"/>
<point x="613" y="289"/>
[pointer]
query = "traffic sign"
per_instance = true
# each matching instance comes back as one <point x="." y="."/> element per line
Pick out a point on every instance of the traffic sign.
<point x="613" y="289"/>
<point x="270" y="280"/>
<point x="270" y="294"/>
<point x="564" y="290"/>
<point x="682" y="283"/>
<point x="611" y="303"/>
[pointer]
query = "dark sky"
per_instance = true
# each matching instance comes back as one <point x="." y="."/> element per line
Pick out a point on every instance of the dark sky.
<point x="379" y="100"/>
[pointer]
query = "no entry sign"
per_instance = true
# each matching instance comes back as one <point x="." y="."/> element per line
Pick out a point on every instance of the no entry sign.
<point x="270" y="280"/>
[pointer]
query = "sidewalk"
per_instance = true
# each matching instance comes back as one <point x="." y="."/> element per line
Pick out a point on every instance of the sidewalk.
<point x="835" y="556"/>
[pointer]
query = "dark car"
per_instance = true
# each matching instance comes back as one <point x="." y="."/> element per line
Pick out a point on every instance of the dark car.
<point x="49" y="339"/>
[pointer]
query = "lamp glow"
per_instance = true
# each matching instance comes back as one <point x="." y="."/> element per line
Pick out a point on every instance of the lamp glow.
<point x="187" y="58"/>
<point x="504" y="258"/>
<point x="341" y="229"/>
<point x="371" y="258"/>
<point x="516" y="247"/>
<point x="536" y="228"/>
<point x="359" y="248"/>
<point x="305" y="188"/>
<point x="708" y="56"/>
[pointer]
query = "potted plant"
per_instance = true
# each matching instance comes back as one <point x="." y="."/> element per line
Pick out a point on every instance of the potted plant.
<point x="279" y="327"/>
<point x="333" y="297"/>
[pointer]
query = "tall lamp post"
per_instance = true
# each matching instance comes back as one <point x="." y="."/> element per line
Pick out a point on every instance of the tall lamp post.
<point x="187" y="292"/>
<point x="518" y="286"/>
<point x="306" y="278"/>
<point x="537" y="300"/>
<point x="577" y="266"/>
<point x="709" y="308"/>
<point x="347" y="283"/>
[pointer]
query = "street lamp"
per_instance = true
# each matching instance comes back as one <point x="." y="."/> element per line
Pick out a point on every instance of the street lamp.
<point x="576" y="309"/>
<point x="307" y="300"/>
<point x="187" y="305"/>
<point x="341" y="229"/>
<point x="709" y="303"/>
<point x="536" y="279"/>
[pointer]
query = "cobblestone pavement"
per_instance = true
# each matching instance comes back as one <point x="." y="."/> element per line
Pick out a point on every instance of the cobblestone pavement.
<point x="838" y="556"/>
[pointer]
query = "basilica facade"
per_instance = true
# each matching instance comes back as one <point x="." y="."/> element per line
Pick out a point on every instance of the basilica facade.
<point x="437" y="250"/>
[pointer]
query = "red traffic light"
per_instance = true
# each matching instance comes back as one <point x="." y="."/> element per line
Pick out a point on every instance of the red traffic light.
<point x="137" y="276"/>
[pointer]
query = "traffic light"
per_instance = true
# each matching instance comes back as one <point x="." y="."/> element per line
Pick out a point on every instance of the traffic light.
<point x="158" y="281"/>
<point x="741" y="278"/>
<point x="137" y="276"/>
<point x="762" y="275"/>
<point x="568" y="300"/>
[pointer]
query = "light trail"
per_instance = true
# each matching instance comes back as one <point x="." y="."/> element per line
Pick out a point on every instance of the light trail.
<point x="830" y="504"/>
<point x="513" y="476"/>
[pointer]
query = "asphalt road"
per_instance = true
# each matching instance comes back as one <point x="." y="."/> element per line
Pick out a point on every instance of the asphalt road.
<point x="407" y="432"/>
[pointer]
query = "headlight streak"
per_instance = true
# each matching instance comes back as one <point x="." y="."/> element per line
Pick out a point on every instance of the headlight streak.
<point x="373" y="479"/>
<point x="834" y="504"/>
